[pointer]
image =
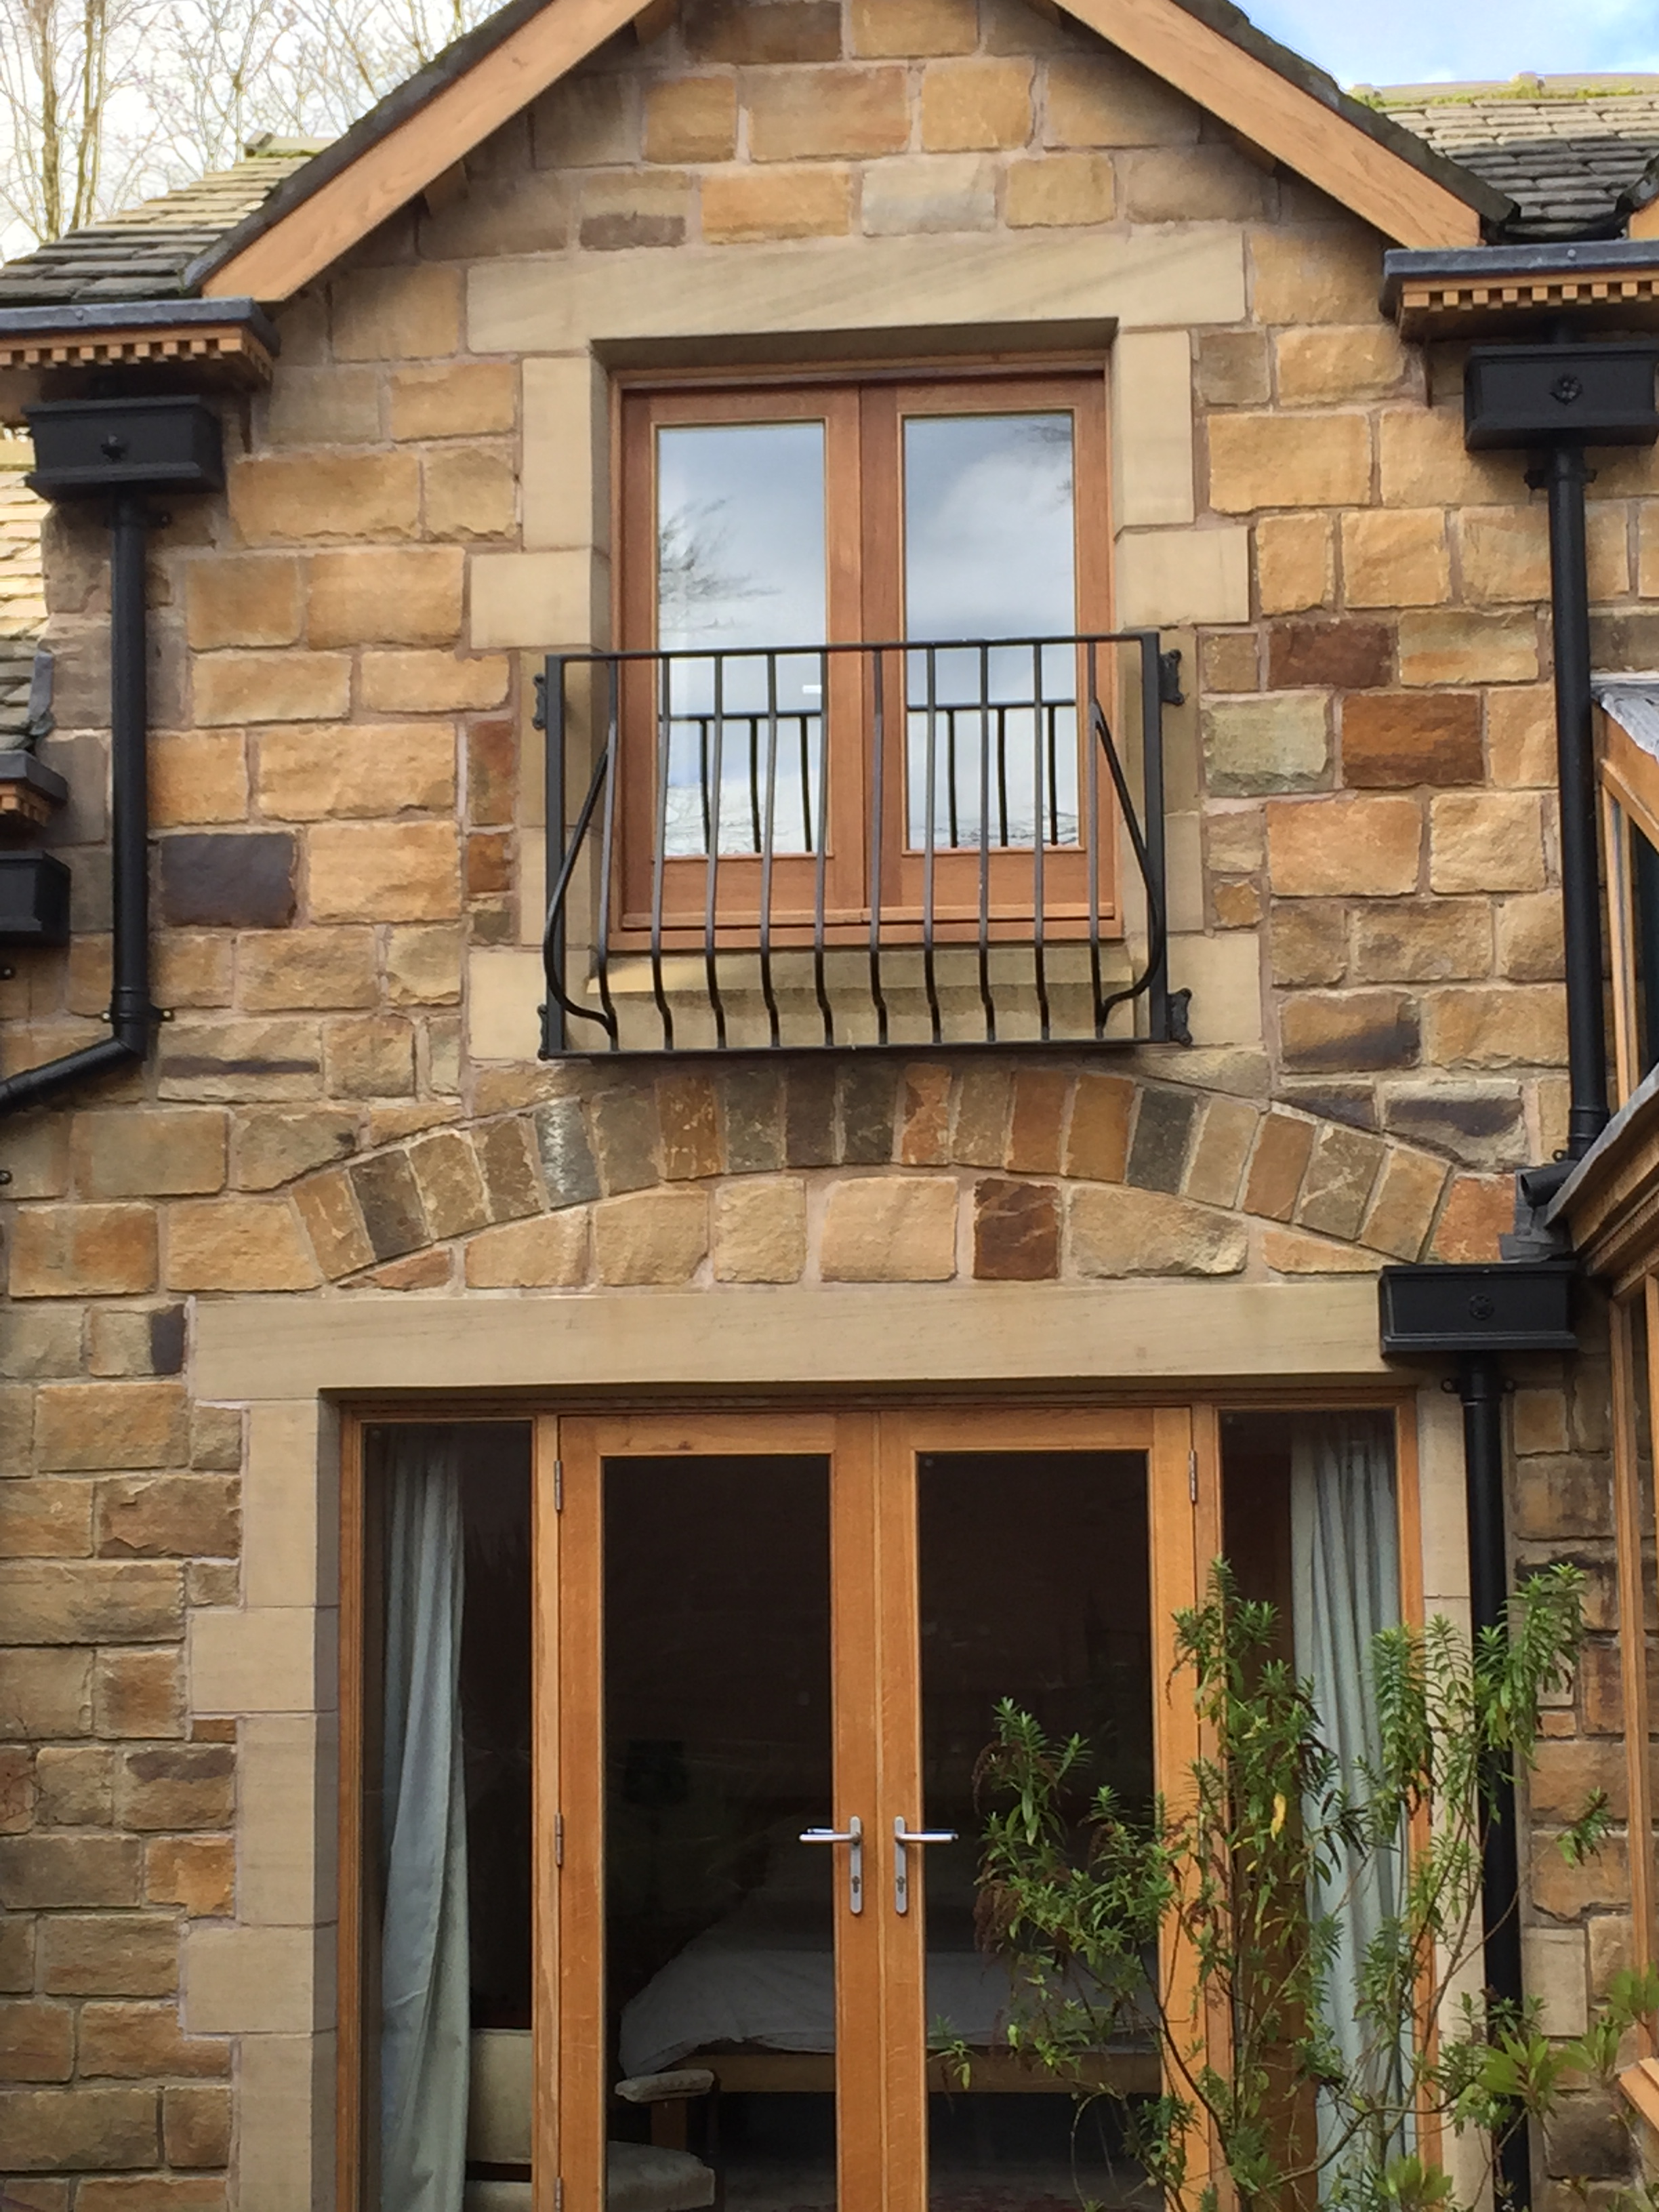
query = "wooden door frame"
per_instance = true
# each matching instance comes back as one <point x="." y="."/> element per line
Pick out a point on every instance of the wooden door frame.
<point x="1181" y="1437"/>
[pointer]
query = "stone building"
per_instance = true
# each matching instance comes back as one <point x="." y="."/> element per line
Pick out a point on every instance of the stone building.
<point x="892" y="1229"/>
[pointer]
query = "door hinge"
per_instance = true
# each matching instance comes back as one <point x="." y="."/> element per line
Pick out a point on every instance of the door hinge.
<point x="1192" y="1476"/>
<point x="558" y="1486"/>
<point x="558" y="1839"/>
<point x="558" y="2194"/>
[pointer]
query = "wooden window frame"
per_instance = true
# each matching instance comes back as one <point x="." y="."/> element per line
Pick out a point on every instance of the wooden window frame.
<point x="864" y="412"/>
<point x="1182" y="1437"/>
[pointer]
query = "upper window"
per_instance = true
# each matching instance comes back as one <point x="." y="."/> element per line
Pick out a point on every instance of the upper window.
<point x="865" y="610"/>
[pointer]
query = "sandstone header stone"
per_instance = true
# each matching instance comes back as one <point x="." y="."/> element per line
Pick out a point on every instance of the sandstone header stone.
<point x="889" y="1229"/>
<point x="1114" y="1231"/>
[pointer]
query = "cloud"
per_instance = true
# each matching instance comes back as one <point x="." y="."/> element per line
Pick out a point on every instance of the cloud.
<point x="1414" y="41"/>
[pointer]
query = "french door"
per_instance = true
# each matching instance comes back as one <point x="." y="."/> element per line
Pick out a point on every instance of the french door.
<point x="775" y="1646"/>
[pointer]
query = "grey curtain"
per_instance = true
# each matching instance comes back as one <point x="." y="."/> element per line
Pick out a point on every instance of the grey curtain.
<point x="424" y="1964"/>
<point x="1345" y="1552"/>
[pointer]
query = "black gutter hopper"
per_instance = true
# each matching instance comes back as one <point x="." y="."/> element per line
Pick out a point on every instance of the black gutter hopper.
<point x="121" y="449"/>
<point x="1475" y="1313"/>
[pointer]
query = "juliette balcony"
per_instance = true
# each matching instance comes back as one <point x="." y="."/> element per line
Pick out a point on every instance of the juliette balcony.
<point x="858" y="846"/>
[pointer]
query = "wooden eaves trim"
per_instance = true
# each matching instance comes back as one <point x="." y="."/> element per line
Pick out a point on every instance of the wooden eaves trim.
<point x="1405" y="204"/>
<point x="1356" y="170"/>
<point x="356" y="200"/>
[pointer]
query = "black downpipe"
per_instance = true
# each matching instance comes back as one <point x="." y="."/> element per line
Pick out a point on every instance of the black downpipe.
<point x="131" y="1016"/>
<point x="1480" y="1386"/>
<point x="1565" y="476"/>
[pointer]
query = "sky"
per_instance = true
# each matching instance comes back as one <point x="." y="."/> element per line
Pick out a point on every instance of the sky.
<point x="1416" y="41"/>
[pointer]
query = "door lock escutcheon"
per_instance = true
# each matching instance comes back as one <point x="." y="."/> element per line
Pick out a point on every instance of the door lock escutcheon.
<point x="852" y="1836"/>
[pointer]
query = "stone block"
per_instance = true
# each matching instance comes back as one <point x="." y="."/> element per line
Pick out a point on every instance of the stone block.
<point x="37" y="2042"/>
<point x="979" y="1138"/>
<point x="385" y="595"/>
<point x="84" y="1427"/>
<point x="1422" y="941"/>
<point x="1116" y="1230"/>
<point x="1359" y="1030"/>
<point x="279" y="497"/>
<point x="1191" y="184"/>
<point x="506" y="1154"/>
<point x="1295" y="566"/>
<point x="82" y="1251"/>
<point x="1485" y="842"/>
<point x="1097" y="1141"/>
<point x="240" y="598"/>
<point x="819" y="114"/>
<point x="1405" y="738"/>
<point x="1518" y="1025"/>
<point x="1057" y="189"/>
<point x="1530" y="948"/>
<point x="193" y="971"/>
<point x="772" y="31"/>
<point x="198" y="777"/>
<point x="384" y="872"/>
<point x="928" y="193"/>
<point x="1170" y="578"/>
<point x="451" y="1184"/>
<point x="45" y="1520"/>
<point x="313" y="407"/>
<point x="199" y="1873"/>
<point x="45" y="1693"/>
<point x="965" y="105"/>
<point x="1163" y="1128"/>
<point x="1351" y="848"/>
<point x="1424" y="461"/>
<point x="1338" y="1185"/>
<point x="1484" y="1125"/>
<point x="1332" y="362"/>
<point x="1288" y="1252"/>
<point x="1505" y="553"/>
<point x="196" y="2127"/>
<point x="1259" y="460"/>
<point x="273" y="1147"/>
<point x="237" y="1244"/>
<point x="181" y="1786"/>
<point x="1228" y="660"/>
<point x="389" y="1201"/>
<point x="1348" y="656"/>
<point x="1037" y="1122"/>
<point x="889" y="1229"/>
<point x="1106" y="99"/>
<point x="1284" y="1146"/>
<point x="313" y="968"/>
<point x="1016" y="1232"/>
<point x="1447" y="646"/>
<point x="547" y="1252"/>
<point x="879" y="30"/>
<point x="633" y="208"/>
<point x="228" y="881"/>
<point x="432" y="683"/>
<point x="17" y="1954"/>
<point x="1232" y="366"/>
<point x="1320" y="273"/>
<point x="741" y="205"/>
<point x="45" y="2130"/>
<point x="1309" y="944"/>
<point x="651" y="1236"/>
<point x="469" y="491"/>
<point x="688" y="1118"/>
<point x="169" y="2192"/>
<point x="1478" y="1210"/>
<point x="369" y="1056"/>
<point x="273" y="687"/>
<point x="1404" y="1203"/>
<point x="535" y="600"/>
<point x="1396" y="557"/>
<point x="1521" y="738"/>
<point x="567" y="1157"/>
<point x="255" y="1981"/>
<point x="751" y="1099"/>
<point x="38" y="1155"/>
<point x="462" y="399"/>
<point x="924" y="1138"/>
<point x="237" y="1060"/>
<point x="626" y="1135"/>
<point x="139" y="1694"/>
<point x="140" y="1152"/>
<point x="261" y="1659"/>
<point x="1226" y="1137"/>
<point x="128" y="1954"/>
<point x="760" y="1230"/>
<point x="585" y="121"/>
<point x="42" y="1342"/>
<point x="167" y="1516"/>
<point x="412" y="313"/>
<point x="1265" y="743"/>
<point x="39" y="1872"/>
<point x="691" y="118"/>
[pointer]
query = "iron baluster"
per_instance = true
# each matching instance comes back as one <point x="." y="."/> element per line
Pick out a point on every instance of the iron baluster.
<point x="822" y="855"/>
<point x="929" y="976"/>
<point x="711" y="916"/>
<point x="555" y="1027"/>
<point x="878" y="858"/>
<point x="986" y="996"/>
<point x="1091" y="844"/>
<point x="768" y="992"/>
<point x="608" y="851"/>
<point x="659" y="856"/>
<point x="1039" y="962"/>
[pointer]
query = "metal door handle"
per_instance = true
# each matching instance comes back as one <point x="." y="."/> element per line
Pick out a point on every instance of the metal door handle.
<point x="853" y="1835"/>
<point x="902" y="1836"/>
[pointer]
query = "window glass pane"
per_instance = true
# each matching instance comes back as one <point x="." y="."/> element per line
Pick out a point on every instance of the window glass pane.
<point x="990" y="553"/>
<point x="447" y="1841"/>
<point x="1644" y="946"/>
<point x="740" y="572"/>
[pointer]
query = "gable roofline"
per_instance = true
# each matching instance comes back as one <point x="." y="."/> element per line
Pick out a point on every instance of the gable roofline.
<point x="1207" y="49"/>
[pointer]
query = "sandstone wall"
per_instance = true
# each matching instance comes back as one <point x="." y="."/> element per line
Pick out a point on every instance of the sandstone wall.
<point x="348" y="805"/>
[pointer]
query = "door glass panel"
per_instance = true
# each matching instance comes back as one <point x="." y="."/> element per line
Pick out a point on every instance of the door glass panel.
<point x="719" y="1920"/>
<point x="741" y="572"/>
<point x="990" y="553"/>
<point x="1060" y="1624"/>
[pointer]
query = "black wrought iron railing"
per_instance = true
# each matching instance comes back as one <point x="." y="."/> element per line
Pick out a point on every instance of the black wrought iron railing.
<point x="875" y="845"/>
